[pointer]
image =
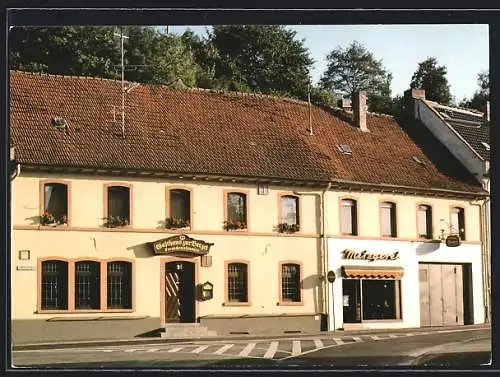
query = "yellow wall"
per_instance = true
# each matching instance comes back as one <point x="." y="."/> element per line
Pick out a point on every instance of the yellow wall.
<point x="262" y="246"/>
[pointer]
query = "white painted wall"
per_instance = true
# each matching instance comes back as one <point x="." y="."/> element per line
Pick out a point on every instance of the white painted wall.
<point x="411" y="253"/>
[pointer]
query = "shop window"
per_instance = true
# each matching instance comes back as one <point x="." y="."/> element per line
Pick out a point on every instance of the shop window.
<point x="54" y="295"/>
<point x="118" y="206"/>
<point x="388" y="219"/>
<point x="119" y="285"/>
<point x="371" y="299"/>
<point x="348" y="215"/>
<point x="180" y="209"/>
<point x="237" y="283"/>
<point x="424" y="216"/>
<point x="55" y="204"/>
<point x="458" y="222"/>
<point x="87" y="285"/>
<point x="236" y="211"/>
<point x="290" y="283"/>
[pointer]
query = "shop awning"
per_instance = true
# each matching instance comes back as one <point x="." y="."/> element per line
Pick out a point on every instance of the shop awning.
<point x="372" y="272"/>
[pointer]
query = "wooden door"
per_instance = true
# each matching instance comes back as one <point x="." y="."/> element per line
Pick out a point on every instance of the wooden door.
<point x="423" y="275"/>
<point x="172" y="303"/>
<point x="449" y="295"/>
<point x="435" y="295"/>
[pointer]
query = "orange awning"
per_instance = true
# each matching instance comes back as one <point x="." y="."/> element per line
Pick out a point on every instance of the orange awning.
<point x="372" y="272"/>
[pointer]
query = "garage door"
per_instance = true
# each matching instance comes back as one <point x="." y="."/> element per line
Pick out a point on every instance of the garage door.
<point x="441" y="294"/>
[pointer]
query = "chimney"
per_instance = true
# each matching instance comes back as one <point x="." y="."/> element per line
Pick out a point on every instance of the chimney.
<point x="345" y="104"/>
<point x="359" y="110"/>
<point x="487" y="114"/>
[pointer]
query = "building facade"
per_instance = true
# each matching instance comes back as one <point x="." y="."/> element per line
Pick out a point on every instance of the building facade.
<point x="227" y="211"/>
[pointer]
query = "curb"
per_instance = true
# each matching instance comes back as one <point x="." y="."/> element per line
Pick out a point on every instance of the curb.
<point x="346" y="333"/>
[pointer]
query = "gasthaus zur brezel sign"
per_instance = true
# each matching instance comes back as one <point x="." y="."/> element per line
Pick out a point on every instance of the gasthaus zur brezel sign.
<point x="181" y="244"/>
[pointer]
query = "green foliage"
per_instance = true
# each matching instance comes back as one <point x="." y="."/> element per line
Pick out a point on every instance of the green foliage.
<point x="261" y="58"/>
<point x="324" y="97"/>
<point x="353" y="69"/>
<point x="432" y="78"/>
<point x="481" y="96"/>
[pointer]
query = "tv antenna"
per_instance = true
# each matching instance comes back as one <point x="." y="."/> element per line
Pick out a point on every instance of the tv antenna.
<point x="122" y="38"/>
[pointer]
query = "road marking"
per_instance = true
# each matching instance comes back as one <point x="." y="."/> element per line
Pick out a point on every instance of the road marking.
<point x="296" y="348"/>
<point x="246" y="351"/>
<point x="176" y="349"/>
<point x="153" y="350"/>
<point x="392" y="336"/>
<point x="273" y="347"/>
<point x="199" y="349"/>
<point x="107" y="350"/>
<point x="223" y="349"/>
<point x="318" y="343"/>
<point x="375" y="337"/>
<point x="357" y="339"/>
<point x="410" y="334"/>
<point x="131" y="350"/>
<point x="338" y="341"/>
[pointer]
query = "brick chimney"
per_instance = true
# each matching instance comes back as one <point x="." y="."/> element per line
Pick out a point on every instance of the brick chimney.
<point x="359" y="110"/>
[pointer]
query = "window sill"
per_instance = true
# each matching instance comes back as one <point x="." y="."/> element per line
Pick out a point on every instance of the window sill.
<point x="84" y="311"/>
<point x="230" y="303"/>
<point x="290" y="303"/>
<point x="236" y="230"/>
<point x="381" y="320"/>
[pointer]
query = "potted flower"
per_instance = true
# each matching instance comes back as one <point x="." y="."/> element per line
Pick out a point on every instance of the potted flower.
<point x="234" y="225"/>
<point x="288" y="228"/>
<point x="115" y="221"/>
<point x="47" y="218"/>
<point x="176" y="223"/>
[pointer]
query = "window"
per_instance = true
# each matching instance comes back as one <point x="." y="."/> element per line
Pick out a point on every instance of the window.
<point x="237" y="284"/>
<point x="371" y="299"/>
<point x="118" y="206"/>
<point x="458" y="222"/>
<point x="54" y="295"/>
<point x="180" y="209"/>
<point x="290" y="210"/>
<point x="236" y="211"/>
<point x="290" y="282"/>
<point x="87" y="285"/>
<point x="55" y="204"/>
<point x="388" y="219"/>
<point x="119" y="285"/>
<point x="349" y="221"/>
<point x="424" y="217"/>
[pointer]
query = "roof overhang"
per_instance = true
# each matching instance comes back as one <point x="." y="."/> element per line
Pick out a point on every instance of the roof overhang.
<point x="372" y="272"/>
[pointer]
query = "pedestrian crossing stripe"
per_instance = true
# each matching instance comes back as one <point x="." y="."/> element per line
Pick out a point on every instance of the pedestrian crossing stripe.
<point x="199" y="349"/>
<point x="246" y="351"/>
<point x="273" y="347"/>
<point x="296" y="347"/>
<point x="223" y="349"/>
<point x="318" y="343"/>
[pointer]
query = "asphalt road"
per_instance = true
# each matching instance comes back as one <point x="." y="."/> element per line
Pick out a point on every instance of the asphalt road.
<point x="429" y="349"/>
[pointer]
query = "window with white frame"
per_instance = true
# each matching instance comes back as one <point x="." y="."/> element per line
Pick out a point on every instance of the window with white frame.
<point x="388" y="219"/>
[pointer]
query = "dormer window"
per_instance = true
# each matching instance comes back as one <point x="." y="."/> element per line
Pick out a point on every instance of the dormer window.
<point x="345" y="149"/>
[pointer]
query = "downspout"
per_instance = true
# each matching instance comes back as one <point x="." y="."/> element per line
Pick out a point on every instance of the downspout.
<point x="324" y="256"/>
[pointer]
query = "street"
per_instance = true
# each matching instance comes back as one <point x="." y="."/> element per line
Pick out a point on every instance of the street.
<point x="456" y="348"/>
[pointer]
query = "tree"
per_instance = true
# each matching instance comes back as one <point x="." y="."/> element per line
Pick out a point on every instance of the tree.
<point x="432" y="78"/>
<point x="262" y="58"/>
<point x="353" y="69"/>
<point x="481" y="96"/>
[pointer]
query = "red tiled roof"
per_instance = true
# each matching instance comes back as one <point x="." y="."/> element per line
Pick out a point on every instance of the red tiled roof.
<point x="205" y="132"/>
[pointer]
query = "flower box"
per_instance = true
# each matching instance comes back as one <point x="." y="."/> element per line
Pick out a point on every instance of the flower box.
<point x="288" y="228"/>
<point x="234" y="225"/>
<point x="115" y="221"/>
<point x="176" y="223"/>
<point x="48" y="219"/>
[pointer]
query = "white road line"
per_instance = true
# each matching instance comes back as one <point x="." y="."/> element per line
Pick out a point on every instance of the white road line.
<point x="246" y="351"/>
<point x="199" y="349"/>
<point x="392" y="336"/>
<point x="296" y="348"/>
<point x="273" y="347"/>
<point x="223" y="349"/>
<point x="338" y="341"/>
<point x="318" y="343"/>
<point x="357" y="339"/>
<point x="153" y="350"/>
<point x="375" y="337"/>
<point x="107" y="350"/>
<point x="176" y="349"/>
<point x="131" y="350"/>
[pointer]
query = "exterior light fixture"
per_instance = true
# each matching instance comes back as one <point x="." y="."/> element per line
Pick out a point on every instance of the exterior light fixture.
<point x="24" y="254"/>
<point x="207" y="291"/>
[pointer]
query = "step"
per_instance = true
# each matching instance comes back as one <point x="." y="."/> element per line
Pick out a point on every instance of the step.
<point x="186" y="330"/>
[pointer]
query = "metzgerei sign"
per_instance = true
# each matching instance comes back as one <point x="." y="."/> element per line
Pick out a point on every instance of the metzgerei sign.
<point x="351" y="254"/>
<point x="181" y="244"/>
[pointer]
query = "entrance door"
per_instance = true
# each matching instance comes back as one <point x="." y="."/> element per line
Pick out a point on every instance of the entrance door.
<point x="351" y="300"/>
<point x="441" y="294"/>
<point x="179" y="292"/>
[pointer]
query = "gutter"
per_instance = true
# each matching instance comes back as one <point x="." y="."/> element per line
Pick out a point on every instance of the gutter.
<point x="16" y="173"/>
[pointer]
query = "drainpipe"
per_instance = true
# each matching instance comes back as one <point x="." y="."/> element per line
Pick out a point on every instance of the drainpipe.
<point x="324" y="256"/>
<point x="484" y="257"/>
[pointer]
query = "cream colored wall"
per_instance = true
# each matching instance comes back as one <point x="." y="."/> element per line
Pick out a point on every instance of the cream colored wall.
<point x="406" y="207"/>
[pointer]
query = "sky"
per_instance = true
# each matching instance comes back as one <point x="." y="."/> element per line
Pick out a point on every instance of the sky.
<point x="462" y="49"/>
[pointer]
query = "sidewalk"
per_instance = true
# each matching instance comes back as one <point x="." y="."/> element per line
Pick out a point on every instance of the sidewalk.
<point x="158" y="340"/>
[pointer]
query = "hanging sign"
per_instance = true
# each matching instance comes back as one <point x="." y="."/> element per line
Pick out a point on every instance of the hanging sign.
<point x="351" y="254"/>
<point x="330" y="276"/>
<point x="453" y="241"/>
<point x="181" y="244"/>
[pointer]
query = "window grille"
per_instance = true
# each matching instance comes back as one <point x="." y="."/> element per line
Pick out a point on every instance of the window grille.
<point x="119" y="285"/>
<point x="54" y="285"/>
<point x="87" y="285"/>
<point x="290" y="282"/>
<point x="237" y="282"/>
